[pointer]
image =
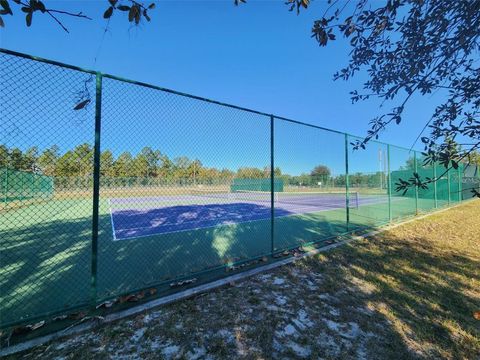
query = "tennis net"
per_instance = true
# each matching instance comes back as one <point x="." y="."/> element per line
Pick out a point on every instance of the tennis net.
<point x="325" y="199"/>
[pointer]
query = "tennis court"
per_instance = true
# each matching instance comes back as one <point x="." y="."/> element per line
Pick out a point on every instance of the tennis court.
<point x="146" y="216"/>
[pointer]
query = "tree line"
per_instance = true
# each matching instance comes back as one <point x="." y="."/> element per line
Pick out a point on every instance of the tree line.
<point x="153" y="164"/>
<point x="148" y="163"/>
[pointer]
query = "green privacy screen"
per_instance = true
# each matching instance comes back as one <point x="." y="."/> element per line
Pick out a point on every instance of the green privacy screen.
<point x="256" y="184"/>
<point x="21" y="186"/>
<point x="112" y="187"/>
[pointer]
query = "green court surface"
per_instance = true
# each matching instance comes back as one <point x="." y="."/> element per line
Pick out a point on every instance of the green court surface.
<point x="47" y="253"/>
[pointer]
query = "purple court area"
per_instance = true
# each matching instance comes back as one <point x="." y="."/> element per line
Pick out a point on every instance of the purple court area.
<point x="147" y="216"/>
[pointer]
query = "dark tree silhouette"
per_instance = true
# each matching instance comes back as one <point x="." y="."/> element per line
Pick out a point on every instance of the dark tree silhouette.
<point x="412" y="47"/>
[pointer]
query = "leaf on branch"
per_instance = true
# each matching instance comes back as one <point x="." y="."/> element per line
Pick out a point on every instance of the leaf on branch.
<point x="28" y="19"/>
<point x="134" y="14"/>
<point x="2" y="24"/>
<point x="38" y="5"/>
<point x="113" y="2"/>
<point x="123" y="8"/>
<point x="145" y="15"/>
<point x="6" y="7"/>
<point x="108" y="13"/>
<point x="151" y="6"/>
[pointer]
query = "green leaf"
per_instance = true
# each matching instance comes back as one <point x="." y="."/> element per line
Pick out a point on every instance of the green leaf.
<point x="108" y="13"/>
<point x="40" y="6"/>
<point x="6" y="6"/>
<point x="28" y="19"/>
<point x="145" y="14"/>
<point x="131" y="13"/>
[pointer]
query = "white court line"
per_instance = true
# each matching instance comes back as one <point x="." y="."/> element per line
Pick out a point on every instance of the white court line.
<point x="111" y="220"/>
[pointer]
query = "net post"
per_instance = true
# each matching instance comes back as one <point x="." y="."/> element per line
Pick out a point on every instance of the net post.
<point x="347" y="185"/>
<point x="272" y="185"/>
<point x="389" y="185"/>
<point x="96" y="187"/>
<point x="435" y="184"/>
<point x="416" y="185"/>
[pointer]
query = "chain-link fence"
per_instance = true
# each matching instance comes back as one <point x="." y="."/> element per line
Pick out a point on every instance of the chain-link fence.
<point x="112" y="187"/>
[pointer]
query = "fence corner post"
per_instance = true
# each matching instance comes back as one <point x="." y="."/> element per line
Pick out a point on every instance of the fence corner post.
<point x="272" y="185"/>
<point x="389" y="184"/>
<point x="415" y="165"/>
<point x="347" y="185"/>
<point x="435" y="180"/>
<point x="96" y="187"/>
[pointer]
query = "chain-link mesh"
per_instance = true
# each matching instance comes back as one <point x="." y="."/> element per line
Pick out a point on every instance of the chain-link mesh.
<point x="187" y="189"/>
<point x="45" y="233"/>
<point x="311" y="164"/>
<point x="368" y="176"/>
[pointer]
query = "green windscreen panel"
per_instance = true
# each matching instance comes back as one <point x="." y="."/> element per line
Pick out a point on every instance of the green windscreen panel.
<point x="470" y="181"/>
<point x="426" y="197"/>
<point x="21" y="186"/>
<point x="456" y="184"/>
<point x="368" y="179"/>
<point x="402" y="166"/>
<point x="252" y="184"/>
<point x="443" y="186"/>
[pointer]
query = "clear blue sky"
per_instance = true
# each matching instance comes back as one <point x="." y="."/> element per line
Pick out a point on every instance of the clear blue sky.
<point x="258" y="55"/>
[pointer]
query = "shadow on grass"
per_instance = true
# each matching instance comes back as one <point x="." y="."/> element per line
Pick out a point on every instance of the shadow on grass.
<point x="427" y="295"/>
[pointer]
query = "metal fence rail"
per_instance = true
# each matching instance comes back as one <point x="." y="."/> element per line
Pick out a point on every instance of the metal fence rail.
<point x="146" y="190"/>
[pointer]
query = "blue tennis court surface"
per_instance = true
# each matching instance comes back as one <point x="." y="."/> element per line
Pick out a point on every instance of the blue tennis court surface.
<point x="147" y="216"/>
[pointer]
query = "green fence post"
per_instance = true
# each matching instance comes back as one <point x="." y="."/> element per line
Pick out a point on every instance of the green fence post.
<point x="96" y="186"/>
<point x="347" y="184"/>
<point x="416" y="186"/>
<point x="272" y="185"/>
<point x="460" y="195"/>
<point x="435" y="184"/>
<point x="448" y="183"/>
<point x="6" y="186"/>
<point x="389" y="185"/>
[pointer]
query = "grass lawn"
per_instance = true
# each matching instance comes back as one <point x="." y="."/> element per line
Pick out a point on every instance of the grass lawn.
<point x="407" y="293"/>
